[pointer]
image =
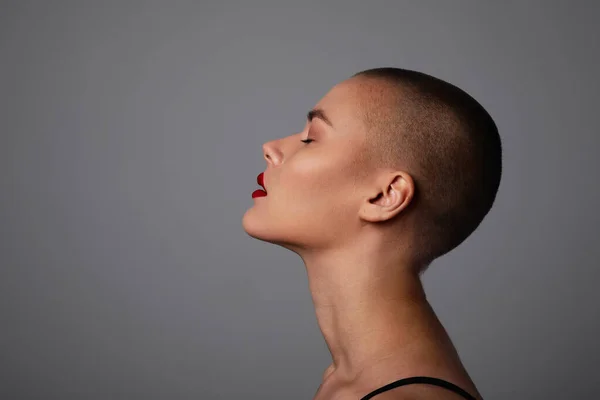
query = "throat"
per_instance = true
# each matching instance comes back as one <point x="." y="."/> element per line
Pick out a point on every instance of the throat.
<point x="377" y="333"/>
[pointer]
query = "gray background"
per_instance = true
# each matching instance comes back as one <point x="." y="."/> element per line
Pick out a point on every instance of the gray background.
<point x="131" y="138"/>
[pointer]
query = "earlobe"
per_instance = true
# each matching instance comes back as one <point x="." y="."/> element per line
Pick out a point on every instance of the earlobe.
<point x="391" y="200"/>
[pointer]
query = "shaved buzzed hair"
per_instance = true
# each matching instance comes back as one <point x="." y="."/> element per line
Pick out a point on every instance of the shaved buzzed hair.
<point x="446" y="141"/>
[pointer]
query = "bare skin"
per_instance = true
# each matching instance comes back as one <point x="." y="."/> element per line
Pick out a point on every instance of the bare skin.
<point x="349" y="223"/>
<point x="403" y="338"/>
<point x="387" y="331"/>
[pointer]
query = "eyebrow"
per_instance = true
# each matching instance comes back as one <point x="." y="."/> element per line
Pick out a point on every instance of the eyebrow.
<point x="318" y="113"/>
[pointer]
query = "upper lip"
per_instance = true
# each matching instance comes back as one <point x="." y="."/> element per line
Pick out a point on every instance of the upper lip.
<point x="260" y="179"/>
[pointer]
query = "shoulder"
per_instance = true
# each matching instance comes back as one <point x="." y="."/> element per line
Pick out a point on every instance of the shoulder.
<point x="406" y="393"/>
<point x="414" y="391"/>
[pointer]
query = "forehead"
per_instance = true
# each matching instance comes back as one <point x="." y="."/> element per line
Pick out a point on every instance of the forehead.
<point x="344" y="104"/>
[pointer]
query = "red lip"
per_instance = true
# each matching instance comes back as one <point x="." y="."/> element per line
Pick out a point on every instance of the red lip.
<point x="260" y="179"/>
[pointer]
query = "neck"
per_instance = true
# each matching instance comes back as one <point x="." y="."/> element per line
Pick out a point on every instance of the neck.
<point x="371" y="309"/>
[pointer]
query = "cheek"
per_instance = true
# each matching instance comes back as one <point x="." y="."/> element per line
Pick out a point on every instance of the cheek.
<point x="317" y="189"/>
<point x="312" y="177"/>
<point x="300" y="189"/>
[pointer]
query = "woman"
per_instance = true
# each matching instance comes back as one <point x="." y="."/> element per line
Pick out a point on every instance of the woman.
<point x="393" y="169"/>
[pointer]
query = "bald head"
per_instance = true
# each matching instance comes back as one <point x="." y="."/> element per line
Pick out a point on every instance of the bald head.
<point x="445" y="140"/>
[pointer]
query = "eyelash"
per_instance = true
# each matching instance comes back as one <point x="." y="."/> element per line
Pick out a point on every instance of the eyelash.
<point x="307" y="141"/>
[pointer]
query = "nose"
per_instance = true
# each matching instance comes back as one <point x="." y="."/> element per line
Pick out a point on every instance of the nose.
<point x="275" y="151"/>
<point x="271" y="152"/>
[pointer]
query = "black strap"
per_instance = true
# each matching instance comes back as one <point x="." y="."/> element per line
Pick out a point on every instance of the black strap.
<point x="421" y="379"/>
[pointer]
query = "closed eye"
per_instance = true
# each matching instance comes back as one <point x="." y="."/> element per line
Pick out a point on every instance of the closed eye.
<point x="307" y="141"/>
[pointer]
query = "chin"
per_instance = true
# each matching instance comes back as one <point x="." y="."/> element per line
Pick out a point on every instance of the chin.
<point x="258" y="228"/>
<point x="255" y="226"/>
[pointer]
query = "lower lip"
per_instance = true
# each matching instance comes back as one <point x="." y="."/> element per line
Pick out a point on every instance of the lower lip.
<point x="258" y="193"/>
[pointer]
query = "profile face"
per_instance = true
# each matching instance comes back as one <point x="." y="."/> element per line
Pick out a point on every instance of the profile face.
<point x="313" y="195"/>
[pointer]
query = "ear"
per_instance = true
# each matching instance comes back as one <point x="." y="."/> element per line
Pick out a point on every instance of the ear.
<point x="395" y="193"/>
